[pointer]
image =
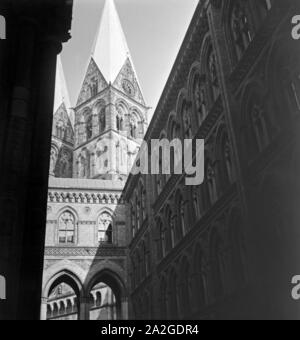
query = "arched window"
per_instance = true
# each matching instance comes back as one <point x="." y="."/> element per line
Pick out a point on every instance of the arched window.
<point x="133" y="225"/>
<point x="102" y="119"/>
<point x="211" y="184"/>
<point x="62" y="308"/>
<point x="105" y="229"/>
<point x="94" y="87"/>
<point x="196" y="203"/>
<point x="240" y="27"/>
<point x="138" y="212"/>
<point x="162" y="248"/>
<point x="60" y="129"/>
<point x="49" y="312"/>
<point x="55" y="309"/>
<point x="120" y="123"/>
<point x="200" y="99"/>
<point x="69" y="307"/>
<point x="133" y="127"/>
<point x="225" y="161"/>
<point x="66" y="228"/>
<point x="89" y="126"/>
<point x="187" y="121"/>
<point x="256" y="134"/>
<point x="98" y="299"/>
<point x="171" y="227"/>
<point x="214" y="85"/>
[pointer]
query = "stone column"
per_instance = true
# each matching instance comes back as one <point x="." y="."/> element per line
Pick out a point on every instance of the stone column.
<point x="84" y="309"/>
<point x="44" y="309"/>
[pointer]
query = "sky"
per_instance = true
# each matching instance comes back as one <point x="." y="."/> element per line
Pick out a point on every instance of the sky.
<point x="154" y="29"/>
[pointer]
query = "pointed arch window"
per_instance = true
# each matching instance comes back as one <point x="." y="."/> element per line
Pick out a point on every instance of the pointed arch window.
<point x="240" y="27"/>
<point x="66" y="228"/>
<point x="133" y="221"/>
<point x="89" y="126"/>
<point x="162" y="239"/>
<point x="133" y="128"/>
<point x="212" y="185"/>
<point x="105" y="229"/>
<point x="196" y="204"/>
<point x="200" y="98"/>
<point x="213" y="75"/>
<point x="120" y="120"/>
<point x="94" y="87"/>
<point x="102" y="120"/>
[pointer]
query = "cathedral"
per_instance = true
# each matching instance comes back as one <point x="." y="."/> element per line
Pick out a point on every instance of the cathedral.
<point x="93" y="146"/>
<point x="122" y="246"/>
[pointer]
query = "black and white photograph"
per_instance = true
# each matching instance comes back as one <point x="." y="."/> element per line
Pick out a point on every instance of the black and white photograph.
<point x="149" y="162"/>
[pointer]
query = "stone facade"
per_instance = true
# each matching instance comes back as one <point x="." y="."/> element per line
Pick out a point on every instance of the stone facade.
<point x="226" y="249"/>
<point x="86" y="238"/>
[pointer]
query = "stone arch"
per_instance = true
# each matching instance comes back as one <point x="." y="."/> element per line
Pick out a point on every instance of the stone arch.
<point x="67" y="277"/>
<point x="197" y="94"/>
<point x="255" y="128"/>
<point x="110" y="229"/>
<point x="114" y="277"/>
<point x="60" y="268"/>
<point x="224" y="158"/>
<point x="65" y="208"/>
<point x="172" y="123"/>
<point x="183" y="113"/>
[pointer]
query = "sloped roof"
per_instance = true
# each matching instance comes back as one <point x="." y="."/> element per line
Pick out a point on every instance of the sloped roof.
<point x="110" y="50"/>
<point x="61" y="91"/>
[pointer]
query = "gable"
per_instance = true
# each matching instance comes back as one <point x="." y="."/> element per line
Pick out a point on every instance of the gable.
<point x="127" y="82"/>
<point x="93" y="75"/>
<point x="62" y="127"/>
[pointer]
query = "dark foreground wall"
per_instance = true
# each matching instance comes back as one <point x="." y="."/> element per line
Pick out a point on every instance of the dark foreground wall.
<point x="229" y="248"/>
<point x="35" y="31"/>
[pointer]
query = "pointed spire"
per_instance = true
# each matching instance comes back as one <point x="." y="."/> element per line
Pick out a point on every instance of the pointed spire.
<point x="61" y="91"/>
<point x="110" y="50"/>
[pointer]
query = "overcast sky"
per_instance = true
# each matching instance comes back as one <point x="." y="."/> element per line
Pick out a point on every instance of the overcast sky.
<point x="154" y="30"/>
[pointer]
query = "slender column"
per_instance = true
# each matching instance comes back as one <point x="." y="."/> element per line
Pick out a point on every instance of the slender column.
<point x="44" y="309"/>
<point x="84" y="310"/>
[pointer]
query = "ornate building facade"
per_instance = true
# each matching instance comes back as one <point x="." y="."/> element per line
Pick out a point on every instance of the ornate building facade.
<point x="226" y="249"/>
<point x="93" y="146"/>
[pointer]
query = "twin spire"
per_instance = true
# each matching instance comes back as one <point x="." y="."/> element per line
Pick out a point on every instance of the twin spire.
<point x="110" y="50"/>
<point x="110" y="53"/>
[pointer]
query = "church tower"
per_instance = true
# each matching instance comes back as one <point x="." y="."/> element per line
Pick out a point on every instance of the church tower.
<point x="94" y="146"/>
<point x="61" y="164"/>
<point x="110" y="114"/>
